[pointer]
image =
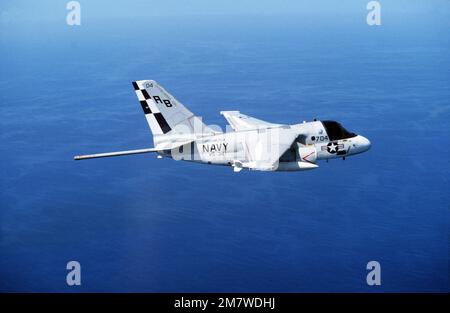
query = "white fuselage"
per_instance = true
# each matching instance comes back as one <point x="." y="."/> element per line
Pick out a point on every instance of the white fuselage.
<point x="313" y="144"/>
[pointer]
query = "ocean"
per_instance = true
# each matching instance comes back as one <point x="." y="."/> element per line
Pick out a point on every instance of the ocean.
<point x="142" y="224"/>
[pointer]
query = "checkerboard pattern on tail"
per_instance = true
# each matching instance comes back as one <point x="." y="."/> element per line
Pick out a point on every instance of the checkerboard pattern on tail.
<point x="164" y="113"/>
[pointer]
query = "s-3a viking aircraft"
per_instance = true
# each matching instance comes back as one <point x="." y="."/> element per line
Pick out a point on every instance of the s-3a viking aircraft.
<point x="250" y="143"/>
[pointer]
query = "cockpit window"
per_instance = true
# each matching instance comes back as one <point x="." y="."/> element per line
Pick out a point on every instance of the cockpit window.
<point x="335" y="131"/>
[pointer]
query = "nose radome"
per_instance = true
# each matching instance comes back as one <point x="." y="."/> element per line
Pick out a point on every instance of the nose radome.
<point x="365" y="142"/>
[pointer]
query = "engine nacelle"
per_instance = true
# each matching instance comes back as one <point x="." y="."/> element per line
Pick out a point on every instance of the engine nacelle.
<point x="307" y="154"/>
<point x="296" y="166"/>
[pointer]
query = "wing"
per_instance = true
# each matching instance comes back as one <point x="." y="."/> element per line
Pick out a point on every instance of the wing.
<point x="264" y="149"/>
<point x="160" y="148"/>
<point x="240" y="121"/>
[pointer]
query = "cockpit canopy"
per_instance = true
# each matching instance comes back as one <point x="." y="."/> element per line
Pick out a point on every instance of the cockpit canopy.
<point x="335" y="131"/>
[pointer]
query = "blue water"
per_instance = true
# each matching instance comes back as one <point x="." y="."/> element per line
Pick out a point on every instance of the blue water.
<point x="142" y="224"/>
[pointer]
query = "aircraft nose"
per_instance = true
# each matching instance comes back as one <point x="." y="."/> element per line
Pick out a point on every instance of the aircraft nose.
<point x="365" y="143"/>
<point x="360" y="144"/>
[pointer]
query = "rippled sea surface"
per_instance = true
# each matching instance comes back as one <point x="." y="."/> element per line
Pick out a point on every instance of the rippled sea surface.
<point x="138" y="223"/>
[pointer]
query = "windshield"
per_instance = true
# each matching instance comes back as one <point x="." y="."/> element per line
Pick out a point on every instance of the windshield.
<point x="335" y="131"/>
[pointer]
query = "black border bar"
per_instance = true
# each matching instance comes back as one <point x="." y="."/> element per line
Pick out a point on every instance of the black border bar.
<point x="165" y="302"/>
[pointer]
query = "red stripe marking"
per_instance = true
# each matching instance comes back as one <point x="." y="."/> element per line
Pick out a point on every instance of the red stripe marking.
<point x="304" y="158"/>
